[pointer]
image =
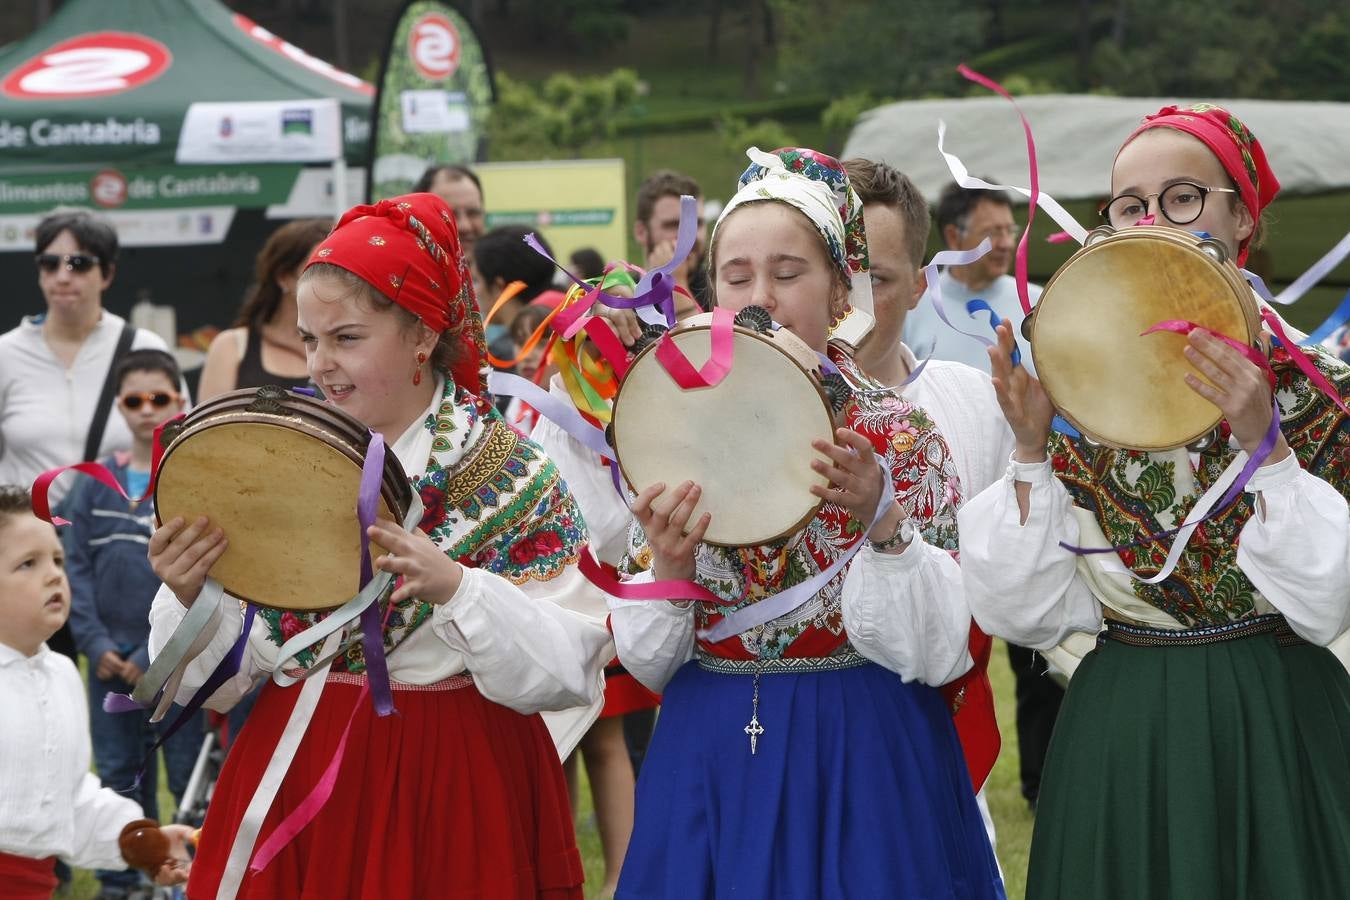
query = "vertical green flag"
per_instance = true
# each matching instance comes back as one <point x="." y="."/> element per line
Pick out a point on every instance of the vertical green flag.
<point x="435" y="92"/>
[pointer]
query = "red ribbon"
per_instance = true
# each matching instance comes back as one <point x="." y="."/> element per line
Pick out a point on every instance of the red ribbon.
<point x="43" y="483"/>
<point x="670" y="589"/>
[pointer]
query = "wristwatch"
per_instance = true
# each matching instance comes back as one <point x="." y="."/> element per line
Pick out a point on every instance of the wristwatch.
<point x="904" y="533"/>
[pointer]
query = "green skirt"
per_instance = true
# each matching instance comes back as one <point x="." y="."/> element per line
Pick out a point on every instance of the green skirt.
<point x="1194" y="772"/>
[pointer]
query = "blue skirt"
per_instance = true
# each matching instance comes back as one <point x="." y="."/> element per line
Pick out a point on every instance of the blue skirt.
<point x="857" y="789"/>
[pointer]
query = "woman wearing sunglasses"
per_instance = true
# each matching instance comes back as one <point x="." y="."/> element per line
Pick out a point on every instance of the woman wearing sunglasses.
<point x="1203" y="746"/>
<point x="56" y="407"/>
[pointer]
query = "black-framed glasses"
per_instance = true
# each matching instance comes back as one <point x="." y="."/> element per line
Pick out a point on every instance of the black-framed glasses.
<point x="1180" y="203"/>
<point x="74" y="262"/>
<point x="134" y="400"/>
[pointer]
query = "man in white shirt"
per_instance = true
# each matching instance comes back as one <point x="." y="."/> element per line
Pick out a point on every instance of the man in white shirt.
<point x="965" y="217"/>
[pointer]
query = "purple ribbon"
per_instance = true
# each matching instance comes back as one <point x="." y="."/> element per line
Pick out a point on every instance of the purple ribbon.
<point x="656" y="288"/>
<point x="367" y="506"/>
<point x="226" y="669"/>
<point x="1189" y="525"/>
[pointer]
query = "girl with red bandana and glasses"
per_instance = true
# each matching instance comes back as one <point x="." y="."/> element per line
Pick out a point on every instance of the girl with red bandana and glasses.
<point x="1202" y="747"/>
<point x="461" y="793"/>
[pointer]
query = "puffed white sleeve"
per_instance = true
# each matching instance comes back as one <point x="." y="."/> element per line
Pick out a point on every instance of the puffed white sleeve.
<point x="100" y="814"/>
<point x="1021" y="585"/>
<point x="259" y="658"/>
<point x="541" y="645"/>
<point x="653" y="637"/>
<point x="907" y="612"/>
<point x="1296" y="549"/>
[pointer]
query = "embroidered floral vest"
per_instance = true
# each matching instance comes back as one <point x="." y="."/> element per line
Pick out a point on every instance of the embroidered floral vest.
<point x="926" y="485"/>
<point x="493" y="501"/>
<point x="1133" y="493"/>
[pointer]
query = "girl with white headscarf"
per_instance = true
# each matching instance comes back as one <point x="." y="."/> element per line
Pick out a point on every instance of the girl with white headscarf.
<point x="811" y="755"/>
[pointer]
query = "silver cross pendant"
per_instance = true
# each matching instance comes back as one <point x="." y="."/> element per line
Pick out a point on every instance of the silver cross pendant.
<point x="754" y="729"/>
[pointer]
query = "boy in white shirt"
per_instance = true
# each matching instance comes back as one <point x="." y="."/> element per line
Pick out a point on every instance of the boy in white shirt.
<point x="50" y="804"/>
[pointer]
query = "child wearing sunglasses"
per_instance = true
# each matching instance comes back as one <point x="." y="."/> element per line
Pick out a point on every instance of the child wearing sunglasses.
<point x="112" y="587"/>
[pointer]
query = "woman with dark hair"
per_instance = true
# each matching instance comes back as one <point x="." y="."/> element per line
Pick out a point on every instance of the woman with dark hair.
<point x="263" y="346"/>
<point x="56" y="395"/>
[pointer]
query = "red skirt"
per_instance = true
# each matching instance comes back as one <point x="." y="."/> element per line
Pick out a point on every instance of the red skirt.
<point x="624" y="693"/>
<point x="25" y="878"/>
<point x="453" y="796"/>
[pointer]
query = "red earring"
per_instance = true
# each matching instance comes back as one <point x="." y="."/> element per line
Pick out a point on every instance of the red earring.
<point x="417" y="375"/>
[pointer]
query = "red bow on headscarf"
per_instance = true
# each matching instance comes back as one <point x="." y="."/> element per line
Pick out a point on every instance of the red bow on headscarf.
<point x="407" y="248"/>
<point x="1232" y="142"/>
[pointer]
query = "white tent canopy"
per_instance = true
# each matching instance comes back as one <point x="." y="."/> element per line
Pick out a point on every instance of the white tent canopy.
<point x="1077" y="136"/>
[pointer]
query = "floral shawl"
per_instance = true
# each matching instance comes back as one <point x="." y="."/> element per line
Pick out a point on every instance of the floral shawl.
<point x="493" y="501"/>
<point x="1133" y="493"/>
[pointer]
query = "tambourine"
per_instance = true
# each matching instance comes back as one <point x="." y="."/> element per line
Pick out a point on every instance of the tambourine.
<point x="1116" y="385"/>
<point x="746" y="440"/>
<point x="280" y="473"/>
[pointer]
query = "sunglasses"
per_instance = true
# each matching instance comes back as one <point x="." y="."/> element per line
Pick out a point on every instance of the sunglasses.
<point x="74" y="262"/>
<point x="158" y="399"/>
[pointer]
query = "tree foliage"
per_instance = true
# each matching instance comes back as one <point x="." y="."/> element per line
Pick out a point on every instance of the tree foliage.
<point x="766" y="134"/>
<point x="560" y="117"/>
<point x="886" y="47"/>
<point x="1298" y="49"/>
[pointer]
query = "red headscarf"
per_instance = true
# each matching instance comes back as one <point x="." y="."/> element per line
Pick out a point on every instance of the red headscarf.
<point x="1237" y="149"/>
<point x="407" y="248"/>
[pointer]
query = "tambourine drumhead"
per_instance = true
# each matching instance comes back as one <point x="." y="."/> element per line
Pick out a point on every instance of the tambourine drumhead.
<point x="283" y="485"/>
<point x="746" y="440"/>
<point x="1117" y="386"/>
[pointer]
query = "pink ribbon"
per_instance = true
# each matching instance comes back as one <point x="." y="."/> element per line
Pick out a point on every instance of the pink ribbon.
<point x="1301" y="360"/>
<point x="309" y="808"/>
<point x="717" y="367"/>
<point x="1183" y="327"/>
<point x="1021" y="267"/>
<point x="669" y="589"/>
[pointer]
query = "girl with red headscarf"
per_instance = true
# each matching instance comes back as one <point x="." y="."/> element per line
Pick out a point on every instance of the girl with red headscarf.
<point x="1203" y="746"/>
<point x="459" y="794"/>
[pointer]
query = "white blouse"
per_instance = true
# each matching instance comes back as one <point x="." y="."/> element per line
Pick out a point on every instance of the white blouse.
<point x="1024" y="587"/>
<point x="50" y="803"/>
<point x="540" y="646"/>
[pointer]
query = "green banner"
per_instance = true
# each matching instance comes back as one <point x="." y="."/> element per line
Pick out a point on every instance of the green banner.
<point x="552" y="217"/>
<point x="435" y="93"/>
<point x="149" y="188"/>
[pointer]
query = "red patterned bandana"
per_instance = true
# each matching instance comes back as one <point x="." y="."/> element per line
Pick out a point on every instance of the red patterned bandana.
<point x="407" y="248"/>
<point x="1237" y="149"/>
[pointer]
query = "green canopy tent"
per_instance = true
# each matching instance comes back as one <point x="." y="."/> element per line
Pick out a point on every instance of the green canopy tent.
<point x="187" y="125"/>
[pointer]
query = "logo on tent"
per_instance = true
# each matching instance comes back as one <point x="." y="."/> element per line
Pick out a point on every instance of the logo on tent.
<point x="106" y="62"/>
<point x="297" y="121"/>
<point x="433" y="44"/>
<point x="109" y="188"/>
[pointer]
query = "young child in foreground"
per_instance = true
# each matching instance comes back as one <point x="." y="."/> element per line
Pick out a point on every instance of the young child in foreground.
<point x="51" y="805"/>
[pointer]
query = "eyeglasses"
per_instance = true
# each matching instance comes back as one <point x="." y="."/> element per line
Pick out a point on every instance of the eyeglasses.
<point x="999" y="232"/>
<point x="133" y="400"/>
<point x="74" y="262"/>
<point x="1180" y="203"/>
